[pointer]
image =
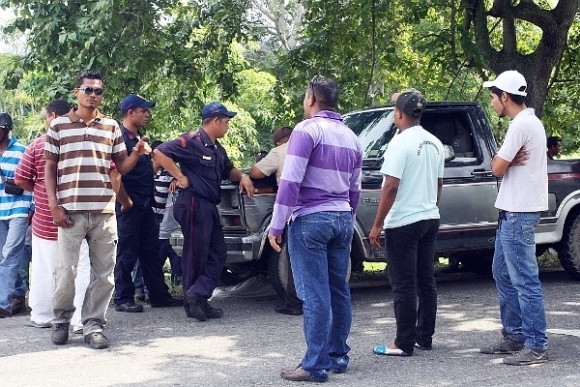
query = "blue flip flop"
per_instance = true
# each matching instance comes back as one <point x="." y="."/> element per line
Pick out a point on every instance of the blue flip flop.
<point x="384" y="350"/>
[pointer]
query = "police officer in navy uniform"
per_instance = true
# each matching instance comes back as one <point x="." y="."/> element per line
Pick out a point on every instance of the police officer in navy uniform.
<point x="203" y="164"/>
<point x="137" y="225"/>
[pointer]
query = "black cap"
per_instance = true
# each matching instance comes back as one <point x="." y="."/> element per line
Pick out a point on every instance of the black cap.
<point x="133" y="101"/>
<point x="5" y="121"/>
<point x="411" y="102"/>
<point x="215" y="109"/>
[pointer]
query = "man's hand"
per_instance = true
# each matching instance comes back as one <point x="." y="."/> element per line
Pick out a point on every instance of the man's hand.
<point x="247" y="185"/>
<point x="183" y="181"/>
<point x="142" y="148"/>
<point x="275" y="242"/>
<point x="374" y="236"/>
<point x="520" y="157"/>
<point x="127" y="206"/>
<point x="173" y="185"/>
<point x="60" y="218"/>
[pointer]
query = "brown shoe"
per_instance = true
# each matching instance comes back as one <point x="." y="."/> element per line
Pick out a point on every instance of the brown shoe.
<point x="298" y="374"/>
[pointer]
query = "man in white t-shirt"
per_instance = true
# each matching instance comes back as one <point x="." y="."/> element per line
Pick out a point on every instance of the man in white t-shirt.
<point x="523" y="194"/>
<point x="413" y="170"/>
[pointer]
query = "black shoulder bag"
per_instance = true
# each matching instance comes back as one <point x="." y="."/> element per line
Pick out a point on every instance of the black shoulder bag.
<point x="9" y="186"/>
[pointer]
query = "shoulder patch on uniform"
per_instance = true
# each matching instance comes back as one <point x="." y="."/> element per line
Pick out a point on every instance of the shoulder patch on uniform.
<point x="182" y="142"/>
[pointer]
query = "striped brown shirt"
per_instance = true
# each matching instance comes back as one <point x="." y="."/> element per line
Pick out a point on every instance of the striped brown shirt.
<point x="84" y="153"/>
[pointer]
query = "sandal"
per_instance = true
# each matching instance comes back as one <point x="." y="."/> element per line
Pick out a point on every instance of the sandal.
<point x="385" y="350"/>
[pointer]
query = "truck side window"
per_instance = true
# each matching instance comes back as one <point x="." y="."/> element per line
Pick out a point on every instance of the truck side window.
<point x="451" y="127"/>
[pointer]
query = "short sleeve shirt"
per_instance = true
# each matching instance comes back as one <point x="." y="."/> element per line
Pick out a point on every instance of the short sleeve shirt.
<point x="274" y="161"/>
<point x="204" y="163"/>
<point x="524" y="188"/>
<point x="84" y="152"/>
<point x="31" y="168"/>
<point x="417" y="159"/>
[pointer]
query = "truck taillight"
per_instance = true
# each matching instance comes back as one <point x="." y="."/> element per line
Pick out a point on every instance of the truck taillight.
<point x="237" y="221"/>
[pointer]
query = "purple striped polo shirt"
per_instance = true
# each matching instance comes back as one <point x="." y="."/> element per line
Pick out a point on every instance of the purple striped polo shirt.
<point x="322" y="171"/>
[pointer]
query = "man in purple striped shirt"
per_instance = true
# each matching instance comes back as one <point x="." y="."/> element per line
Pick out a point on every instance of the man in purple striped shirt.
<point x="319" y="191"/>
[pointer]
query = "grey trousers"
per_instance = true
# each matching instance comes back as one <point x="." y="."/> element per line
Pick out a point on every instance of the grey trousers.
<point x="100" y="231"/>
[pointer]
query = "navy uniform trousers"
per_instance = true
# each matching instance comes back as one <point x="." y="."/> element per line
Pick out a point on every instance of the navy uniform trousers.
<point x="204" y="248"/>
<point x="139" y="240"/>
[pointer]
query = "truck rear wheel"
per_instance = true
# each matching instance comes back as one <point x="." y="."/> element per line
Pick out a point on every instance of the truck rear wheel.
<point x="478" y="263"/>
<point x="569" y="247"/>
<point x="279" y="268"/>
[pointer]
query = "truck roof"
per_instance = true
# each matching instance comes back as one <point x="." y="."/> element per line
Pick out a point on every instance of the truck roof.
<point x="428" y="105"/>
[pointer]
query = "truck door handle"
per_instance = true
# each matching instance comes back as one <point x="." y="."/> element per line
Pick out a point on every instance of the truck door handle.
<point x="481" y="172"/>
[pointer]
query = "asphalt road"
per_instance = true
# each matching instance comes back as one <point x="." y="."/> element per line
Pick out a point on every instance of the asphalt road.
<point x="249" y="346"/>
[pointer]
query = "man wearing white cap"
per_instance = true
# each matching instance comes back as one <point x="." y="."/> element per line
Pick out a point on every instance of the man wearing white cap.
<point x="523" y="194"/>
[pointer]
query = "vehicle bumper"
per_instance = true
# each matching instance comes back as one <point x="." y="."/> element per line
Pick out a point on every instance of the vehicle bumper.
<point x="240" y="248"/>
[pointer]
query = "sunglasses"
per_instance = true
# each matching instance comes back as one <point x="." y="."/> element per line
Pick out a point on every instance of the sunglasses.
<point x="89" y="90"/>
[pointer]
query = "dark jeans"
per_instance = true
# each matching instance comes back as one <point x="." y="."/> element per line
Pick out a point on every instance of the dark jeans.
<point x="138" y="277"/>
<point x="166" y="251"/>
<point x="204" y="248"/>
<point x="410" y="251"/>
<point x="139" y="240"/>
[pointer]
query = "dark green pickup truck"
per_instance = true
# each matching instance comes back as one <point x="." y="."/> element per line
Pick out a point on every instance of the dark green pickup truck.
<point x="468" y="215"/>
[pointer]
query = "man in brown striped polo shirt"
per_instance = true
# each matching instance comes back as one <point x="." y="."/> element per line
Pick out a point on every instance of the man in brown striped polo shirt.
<point x="79" y="149"/>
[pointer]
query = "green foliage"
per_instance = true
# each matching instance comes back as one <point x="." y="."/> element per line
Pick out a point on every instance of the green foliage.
<point x="182" y="54"/>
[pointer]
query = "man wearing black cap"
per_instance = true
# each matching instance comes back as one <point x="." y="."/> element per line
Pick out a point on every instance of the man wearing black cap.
<point x="203" y="164"/>
<point x="408" y="212"/>
<point x="137" y="227"/>
<point x="14" y="208"/>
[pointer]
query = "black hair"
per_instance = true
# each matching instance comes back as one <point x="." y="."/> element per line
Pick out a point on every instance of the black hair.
<point x="517" y="99"/>
<point x="155" y="144"/>
<point x="261" y="154"/>
<point x="206" y="121"/>
<point x="89" y="74"/>
<point x="553" y="141"/>
<point x="325" y="92"/>
<point x="59" y="107"/>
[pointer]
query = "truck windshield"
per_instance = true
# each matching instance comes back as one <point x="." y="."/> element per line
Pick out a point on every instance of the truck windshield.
<point x="374" y="129"/>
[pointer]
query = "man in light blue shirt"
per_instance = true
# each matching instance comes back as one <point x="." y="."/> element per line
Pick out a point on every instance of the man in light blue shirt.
<point x="14" y="208"/>
<point x="408" y="211"/>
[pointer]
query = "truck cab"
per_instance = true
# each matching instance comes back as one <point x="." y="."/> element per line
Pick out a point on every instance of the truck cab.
<point x="468" y="216"/>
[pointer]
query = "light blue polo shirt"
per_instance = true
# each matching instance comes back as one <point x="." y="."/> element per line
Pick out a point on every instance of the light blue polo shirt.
<point x="417" y="158"/>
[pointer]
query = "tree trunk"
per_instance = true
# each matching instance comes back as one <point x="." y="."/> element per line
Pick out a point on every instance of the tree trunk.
<point x="536" y="67"/>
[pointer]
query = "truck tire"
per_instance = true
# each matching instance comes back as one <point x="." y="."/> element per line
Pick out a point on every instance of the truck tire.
<point x="569" y="247"/>
<point x="279" y="267"/>
<point x="478" y="263"/>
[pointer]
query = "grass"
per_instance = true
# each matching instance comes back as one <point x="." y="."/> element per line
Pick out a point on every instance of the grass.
<point x="377" y="270"/>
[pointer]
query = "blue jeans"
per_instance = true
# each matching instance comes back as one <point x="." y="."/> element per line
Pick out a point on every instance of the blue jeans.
<point x="319" y="247"/>
<point x="515" y="270"/>
<point x="12" y="234"/>
<point x="166" y="251"/>
<point x="22" y="283"/>
<point x="138" y="277"/>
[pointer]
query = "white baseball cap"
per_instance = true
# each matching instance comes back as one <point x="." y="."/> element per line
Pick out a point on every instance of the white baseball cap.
<point x="509" y="81"/>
